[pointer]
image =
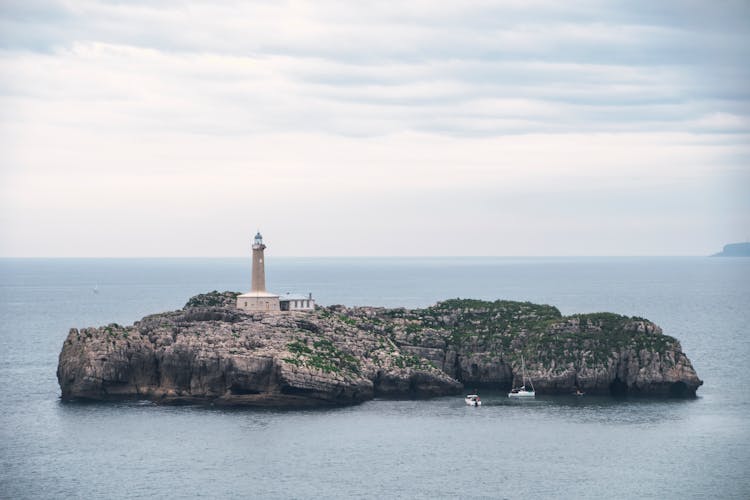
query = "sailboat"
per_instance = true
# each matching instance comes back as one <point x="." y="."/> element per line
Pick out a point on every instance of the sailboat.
<point x="523" y="392"/>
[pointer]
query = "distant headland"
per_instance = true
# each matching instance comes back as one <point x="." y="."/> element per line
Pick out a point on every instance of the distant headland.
<point x="735" y="250"/>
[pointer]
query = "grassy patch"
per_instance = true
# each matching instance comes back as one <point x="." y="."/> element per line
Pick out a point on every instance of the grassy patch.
<point x="323" y="355"/>
<point x="213" y="299"/>
<point x="347" y="320"/>
<point x="495" y="323"/>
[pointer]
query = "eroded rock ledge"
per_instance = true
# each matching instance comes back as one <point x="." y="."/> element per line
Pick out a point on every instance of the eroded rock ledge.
<point x="210" y="352"/>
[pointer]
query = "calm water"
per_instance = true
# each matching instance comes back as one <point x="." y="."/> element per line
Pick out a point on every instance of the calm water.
<point x="549" y="448"/>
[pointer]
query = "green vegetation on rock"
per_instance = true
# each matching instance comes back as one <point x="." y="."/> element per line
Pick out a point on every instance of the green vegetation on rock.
<point x="497" y="322"/>
<point x="213" y="299"/>
<point x="321" y="354"/>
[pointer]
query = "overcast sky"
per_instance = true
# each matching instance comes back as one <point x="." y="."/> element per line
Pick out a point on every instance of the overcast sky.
<point x="170" y="128"/>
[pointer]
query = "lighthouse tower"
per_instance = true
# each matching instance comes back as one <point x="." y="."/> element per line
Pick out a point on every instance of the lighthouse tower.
<point x="258" y="299"/>
<point x="259" y="268"/>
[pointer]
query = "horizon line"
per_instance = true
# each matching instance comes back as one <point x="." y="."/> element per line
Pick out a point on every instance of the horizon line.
<point x="49" y="257"/>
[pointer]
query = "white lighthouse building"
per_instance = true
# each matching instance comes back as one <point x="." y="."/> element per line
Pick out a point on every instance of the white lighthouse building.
<point x="258" y="299"/>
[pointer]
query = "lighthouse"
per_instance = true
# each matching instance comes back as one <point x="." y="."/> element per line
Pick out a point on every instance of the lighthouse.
<point x="258" y="299"/>
<point x="259" y="269"/>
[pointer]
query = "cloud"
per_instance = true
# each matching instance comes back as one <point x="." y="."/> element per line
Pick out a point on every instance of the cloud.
<point x="330" y="107"/>
<point x="374" y="71"/>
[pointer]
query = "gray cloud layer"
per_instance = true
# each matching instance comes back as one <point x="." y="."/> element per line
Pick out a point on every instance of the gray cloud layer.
<point x="430" y="66"/>
<point x="488" y="104"/>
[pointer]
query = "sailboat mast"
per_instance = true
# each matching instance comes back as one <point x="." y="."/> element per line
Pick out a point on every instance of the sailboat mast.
<point x="530" y="381"/>
<point x="523" y="374"/>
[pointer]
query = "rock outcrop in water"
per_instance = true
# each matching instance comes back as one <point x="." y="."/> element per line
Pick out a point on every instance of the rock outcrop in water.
<point x="211" y="352"/>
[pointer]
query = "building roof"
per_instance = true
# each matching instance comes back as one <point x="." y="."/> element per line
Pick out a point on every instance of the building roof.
<point x="294" y="296"/>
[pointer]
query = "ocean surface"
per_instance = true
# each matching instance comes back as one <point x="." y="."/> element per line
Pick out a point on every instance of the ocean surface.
<point x="553" y="447"/>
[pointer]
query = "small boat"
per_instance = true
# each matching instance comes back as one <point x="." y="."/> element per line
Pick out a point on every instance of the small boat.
<point x="578" y="392"/>
<point x="523" y="392"/>
<point x="473" y="400"/>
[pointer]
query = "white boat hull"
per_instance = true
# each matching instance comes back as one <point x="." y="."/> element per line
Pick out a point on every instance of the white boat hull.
<point x="472" y="400"/>
<point x="522" y="394"/>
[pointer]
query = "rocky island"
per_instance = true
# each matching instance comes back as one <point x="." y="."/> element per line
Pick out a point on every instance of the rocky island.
<point x="212" y="352"/>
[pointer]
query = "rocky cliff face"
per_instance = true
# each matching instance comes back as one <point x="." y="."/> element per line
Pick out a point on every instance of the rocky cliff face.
<point x="211" y="352"/>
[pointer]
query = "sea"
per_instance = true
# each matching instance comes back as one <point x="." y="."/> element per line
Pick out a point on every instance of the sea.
<point x="552" y="447"/>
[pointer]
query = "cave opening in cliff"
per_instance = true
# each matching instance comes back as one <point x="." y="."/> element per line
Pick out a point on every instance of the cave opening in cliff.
<point x="618" y="387"/>
<point x="296" y="391"/>
<point x="678" y="390"/>
<point x="237" y="390"/>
